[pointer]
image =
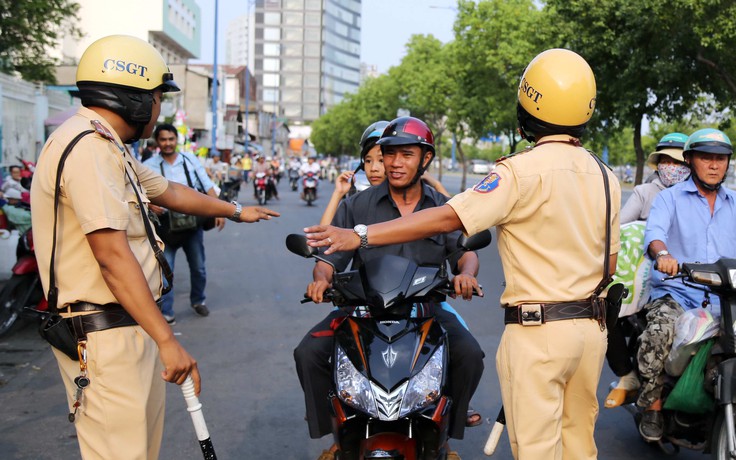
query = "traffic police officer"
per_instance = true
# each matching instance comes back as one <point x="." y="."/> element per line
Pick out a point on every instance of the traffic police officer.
<point x="104" y="259"/>
<point x="549" y="206"/>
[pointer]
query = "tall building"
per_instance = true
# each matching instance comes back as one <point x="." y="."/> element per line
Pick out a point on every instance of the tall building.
<point x="307" y="55"/>
<point x="171" y="26"/>
<point x="239" y="37"/>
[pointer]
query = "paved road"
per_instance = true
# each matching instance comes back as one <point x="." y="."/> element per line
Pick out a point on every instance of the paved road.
<point x="251" y="396"/>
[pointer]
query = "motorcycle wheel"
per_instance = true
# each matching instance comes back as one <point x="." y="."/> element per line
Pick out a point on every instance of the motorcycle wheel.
<point x="262" y="197"/>
<point x="719" y="443"/>
<point x="310" y="197"/>
<point x="12" y="296"/>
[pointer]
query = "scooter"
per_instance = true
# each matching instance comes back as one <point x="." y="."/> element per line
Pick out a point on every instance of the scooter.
<point x="263" y="192"/>
<point x="713" y="431"/>
<point x="309" y="188"/>
<point x="294" y="179"/>
<point x="23" y="291"/>
<point x="389" y="399"/>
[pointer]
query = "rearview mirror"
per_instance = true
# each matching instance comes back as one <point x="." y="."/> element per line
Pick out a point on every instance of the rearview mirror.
<point x="298" y="245"/>
<point x="475" y="242"/>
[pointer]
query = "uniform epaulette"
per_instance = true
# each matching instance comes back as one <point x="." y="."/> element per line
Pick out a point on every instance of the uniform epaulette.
<point x="102" y="130"/>
<point x="511" y="155"/>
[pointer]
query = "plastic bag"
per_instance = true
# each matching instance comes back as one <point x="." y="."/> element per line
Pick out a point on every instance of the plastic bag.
<point x="689" y="395"/>
<point x="691" y="328"/>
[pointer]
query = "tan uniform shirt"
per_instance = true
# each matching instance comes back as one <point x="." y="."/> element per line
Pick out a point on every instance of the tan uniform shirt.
<point x="95" y="194"/>
<point x="548" y="205"/>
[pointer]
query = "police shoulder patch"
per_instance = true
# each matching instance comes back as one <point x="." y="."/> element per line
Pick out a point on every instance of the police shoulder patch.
<point x="488" y="184"/>
<point x="102" y="130"/>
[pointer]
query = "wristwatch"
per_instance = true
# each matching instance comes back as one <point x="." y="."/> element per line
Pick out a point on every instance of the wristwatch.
<point x="661" y="253"/>
<point x="238" y="209"/>
<point x="362" y="231"/>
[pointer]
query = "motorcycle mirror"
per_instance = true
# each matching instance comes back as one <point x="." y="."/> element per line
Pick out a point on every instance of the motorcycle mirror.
<point x="475" y="242"/>
<point x="298" y="245"/>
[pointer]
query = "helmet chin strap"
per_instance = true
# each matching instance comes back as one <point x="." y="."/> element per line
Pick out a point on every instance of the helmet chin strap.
<point x="707" y="186"/>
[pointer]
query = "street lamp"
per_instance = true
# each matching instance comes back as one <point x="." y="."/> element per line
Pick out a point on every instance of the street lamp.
<point x="247" y="71"/>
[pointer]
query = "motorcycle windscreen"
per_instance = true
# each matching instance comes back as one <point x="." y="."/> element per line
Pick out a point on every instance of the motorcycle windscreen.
<point x="387" y="280"/>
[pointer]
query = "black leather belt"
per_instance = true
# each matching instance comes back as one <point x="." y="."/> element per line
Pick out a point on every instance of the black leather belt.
<point x="87" y="306"/>
<point x="536" y="314"/>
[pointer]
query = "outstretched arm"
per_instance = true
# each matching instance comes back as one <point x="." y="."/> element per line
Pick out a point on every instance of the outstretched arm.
<point x="416" y="226"/>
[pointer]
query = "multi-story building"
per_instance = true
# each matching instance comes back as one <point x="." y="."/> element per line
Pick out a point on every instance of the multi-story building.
<point x="239" y="38"/>
<point x="307" y="55"/>
<point x="171" y="26"/>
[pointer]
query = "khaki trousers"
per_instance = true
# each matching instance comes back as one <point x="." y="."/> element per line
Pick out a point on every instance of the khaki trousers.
<point x="122" y="412"/>
<point x="549" y="375"/>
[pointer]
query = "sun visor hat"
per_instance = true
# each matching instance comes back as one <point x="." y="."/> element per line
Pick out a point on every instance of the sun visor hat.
<point x="675" y="154"/>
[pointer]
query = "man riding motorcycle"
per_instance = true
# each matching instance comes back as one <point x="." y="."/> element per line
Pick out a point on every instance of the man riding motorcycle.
<point x="408" y="148"/>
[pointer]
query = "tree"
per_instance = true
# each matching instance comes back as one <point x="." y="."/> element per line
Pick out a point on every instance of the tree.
<point x="648" y="57"/>
<point x="28" y="29"/>
<point x="494" y="41"/>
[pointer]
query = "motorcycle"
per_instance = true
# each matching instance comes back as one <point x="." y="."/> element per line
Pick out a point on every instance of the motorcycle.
<point x="309" y="188"/>
<point x="230" y="187"/>
<point x="389" y="399"/>
<point x="263" y="191"/>
<point x="294" y="179"/>
<point x="24" y="290"/>
<point x="713" y="431"/>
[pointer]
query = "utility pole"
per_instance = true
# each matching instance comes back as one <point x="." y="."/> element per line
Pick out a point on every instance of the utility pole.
<point x="247" y="73"/>
<point x="213" y="150"/>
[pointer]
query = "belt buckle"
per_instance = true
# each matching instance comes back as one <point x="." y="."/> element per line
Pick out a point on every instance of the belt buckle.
<point x="531" y="314"/>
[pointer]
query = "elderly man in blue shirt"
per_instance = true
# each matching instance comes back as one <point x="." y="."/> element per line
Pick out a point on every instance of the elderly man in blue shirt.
<point x="692" y="221"/>
<point x="183" y="168"/>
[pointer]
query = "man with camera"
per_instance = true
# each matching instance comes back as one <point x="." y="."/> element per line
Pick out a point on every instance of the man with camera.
<point x="182" y="230"/>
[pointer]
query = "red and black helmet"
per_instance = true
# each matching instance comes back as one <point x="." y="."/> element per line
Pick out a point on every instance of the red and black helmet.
<point x="407" y="131"/>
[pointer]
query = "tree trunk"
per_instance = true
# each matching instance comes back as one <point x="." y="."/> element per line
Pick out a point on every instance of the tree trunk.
<point x="461" y="157"/>
<point x="512" y="141"/>
<point x="639" y="153"/>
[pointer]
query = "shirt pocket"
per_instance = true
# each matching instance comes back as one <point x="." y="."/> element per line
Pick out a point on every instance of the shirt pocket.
<point x="136" y="227"/>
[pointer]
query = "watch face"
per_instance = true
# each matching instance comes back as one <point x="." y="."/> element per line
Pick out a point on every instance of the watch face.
<point x="360" y="229"/>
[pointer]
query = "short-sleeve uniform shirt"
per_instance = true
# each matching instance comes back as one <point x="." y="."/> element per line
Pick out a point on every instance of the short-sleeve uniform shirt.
<point x="548" y="205"/>
<point x="95" y="194"/>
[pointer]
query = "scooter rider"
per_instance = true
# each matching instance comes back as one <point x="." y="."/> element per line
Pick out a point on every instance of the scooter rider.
<point x="105" y="266"/>
<point x="548" y="205"/>
<point x="408" y="148"/>
<point x="692" y="221"/>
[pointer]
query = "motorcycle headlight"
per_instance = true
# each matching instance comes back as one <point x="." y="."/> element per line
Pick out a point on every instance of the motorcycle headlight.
<point x="424" y="388"/>
<point x="352" y="387"/>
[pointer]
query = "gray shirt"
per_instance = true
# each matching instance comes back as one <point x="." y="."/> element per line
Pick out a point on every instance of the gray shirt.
<point x="640" y="202"/>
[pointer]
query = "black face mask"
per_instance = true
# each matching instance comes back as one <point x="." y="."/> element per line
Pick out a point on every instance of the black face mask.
<point x="532" y="128"/>
<point x="135" y="107"/>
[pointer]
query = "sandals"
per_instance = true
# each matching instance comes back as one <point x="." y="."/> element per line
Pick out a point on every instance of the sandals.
<point x="473" y="418"/>
<point x="619" y="396"/>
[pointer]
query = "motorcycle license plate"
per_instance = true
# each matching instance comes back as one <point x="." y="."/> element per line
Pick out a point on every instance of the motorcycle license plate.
<point x="311" y="183"/>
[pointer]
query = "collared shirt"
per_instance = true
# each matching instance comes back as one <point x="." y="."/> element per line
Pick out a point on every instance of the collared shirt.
<point x="95" y="194"/>
<point x="548" y="206"/>
<point x="681" y="218"/>
<point x="375" y="205"/>
<point x="175" y="172"/>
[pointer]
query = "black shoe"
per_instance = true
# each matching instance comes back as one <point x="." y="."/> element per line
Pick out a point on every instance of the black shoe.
<point x="201" y="309"/>
<point x="651" y="426"/>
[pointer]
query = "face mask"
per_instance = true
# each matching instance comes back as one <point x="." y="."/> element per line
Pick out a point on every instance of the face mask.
<point x="672" y="173"/>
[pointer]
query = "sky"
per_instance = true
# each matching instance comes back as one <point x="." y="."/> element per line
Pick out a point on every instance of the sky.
<point x="387" y="26"/>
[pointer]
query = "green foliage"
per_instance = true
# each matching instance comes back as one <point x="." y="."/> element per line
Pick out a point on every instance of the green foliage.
<point x="28" y="29"/>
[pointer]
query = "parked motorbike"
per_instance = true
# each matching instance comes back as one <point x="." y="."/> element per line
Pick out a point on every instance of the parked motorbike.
<point x="24" y="289"/>
<point x="263" y="191"/>
<point x="711" y="432"/>
<point x="389" y="399"/>
<point x="309" y="188"/>
<point x="294" y="179"/>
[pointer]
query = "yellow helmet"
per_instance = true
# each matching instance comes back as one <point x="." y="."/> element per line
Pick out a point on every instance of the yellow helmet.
<point x="126" y="62"/>
<point x="558" y="87"/>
